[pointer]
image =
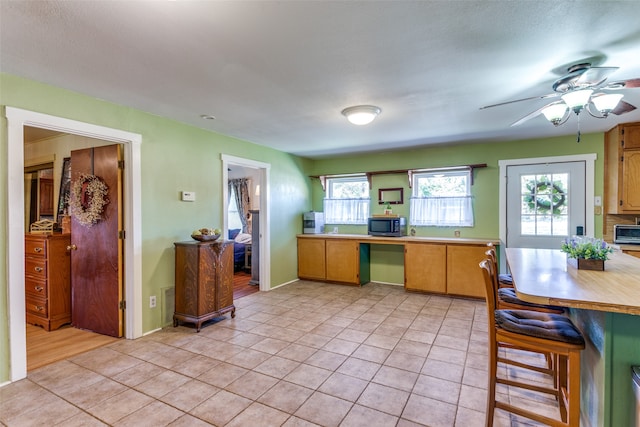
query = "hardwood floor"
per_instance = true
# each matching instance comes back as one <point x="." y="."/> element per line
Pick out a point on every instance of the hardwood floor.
<point x="45" y="347"/>
<point x="241" y="286"/>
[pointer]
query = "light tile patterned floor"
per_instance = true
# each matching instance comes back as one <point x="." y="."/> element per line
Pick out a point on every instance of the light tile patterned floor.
<point x="302" y="355"/>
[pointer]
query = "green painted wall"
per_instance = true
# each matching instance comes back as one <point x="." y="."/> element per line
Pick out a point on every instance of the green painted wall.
<point x="175" y="157"/>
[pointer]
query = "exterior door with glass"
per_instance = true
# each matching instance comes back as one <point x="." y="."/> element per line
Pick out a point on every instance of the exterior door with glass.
<point x="545" y="204"/>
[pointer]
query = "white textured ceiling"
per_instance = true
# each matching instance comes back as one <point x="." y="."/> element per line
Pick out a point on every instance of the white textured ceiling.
<point x="278" y="73"/>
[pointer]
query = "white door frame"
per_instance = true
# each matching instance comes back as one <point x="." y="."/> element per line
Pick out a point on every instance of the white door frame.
<point x="16" y="120"/>
<point x="589" y="160"/>
<point x="265" y="242"/>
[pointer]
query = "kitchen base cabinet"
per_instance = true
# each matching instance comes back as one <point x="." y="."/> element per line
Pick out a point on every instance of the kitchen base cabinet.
<point x="431" y="265"/>
<point x="204" y="281"/>
<point x="345" y="262"/>
<point x="47" y="280"/>
<point x="464" y="276"/>
<point x="312" y="259"/>
<point x="425" y="267"/>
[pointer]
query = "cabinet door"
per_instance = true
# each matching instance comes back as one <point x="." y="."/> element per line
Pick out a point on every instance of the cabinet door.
<point x="464" y="276"/>
<point x="631" y="136"/>
<point x="631" y="180"/>
<point x="311" y="259"/>
<point x="425" y="267"/>
<point x="343" y="261"/>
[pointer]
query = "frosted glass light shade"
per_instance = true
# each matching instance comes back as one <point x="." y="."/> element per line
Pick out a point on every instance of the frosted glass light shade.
<point x="361" y="114"/>
<point x="606" y="103"/>
<point x="577" y="99"/>
<point x="555" y="112"/>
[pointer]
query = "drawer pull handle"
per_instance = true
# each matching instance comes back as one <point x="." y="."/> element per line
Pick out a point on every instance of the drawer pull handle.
<point x="39" y="288"/>
<point x="72" y="247"/>
<point x="38" y="269"/>
<point x="37" y="250"/>
<point x="39" y="307"/>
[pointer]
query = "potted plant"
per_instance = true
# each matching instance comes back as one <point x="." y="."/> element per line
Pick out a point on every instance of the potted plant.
<point x="586" y="253"/>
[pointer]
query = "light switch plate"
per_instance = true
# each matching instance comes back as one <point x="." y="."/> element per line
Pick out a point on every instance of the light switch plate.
<point x="597" y="200"/>
<point x="188" y="196"/>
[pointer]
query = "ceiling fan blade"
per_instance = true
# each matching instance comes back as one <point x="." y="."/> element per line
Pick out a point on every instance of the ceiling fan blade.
<point x="550" y="95"/>
<point x="594" y="76"/>
<point x="632" y="83"/>
<point x="622" y="107"/>
<point x="531" y="115"/>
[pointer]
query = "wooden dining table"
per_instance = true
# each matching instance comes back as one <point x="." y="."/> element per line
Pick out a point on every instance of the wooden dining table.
<point x="605" y="306"/>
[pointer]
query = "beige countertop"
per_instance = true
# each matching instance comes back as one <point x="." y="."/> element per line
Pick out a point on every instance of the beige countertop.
<point x="365" y="238"/>
<point x="543" y="276"/>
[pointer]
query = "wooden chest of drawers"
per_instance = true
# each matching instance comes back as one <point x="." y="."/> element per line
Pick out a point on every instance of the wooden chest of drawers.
<point x="47" y="280"/>
<point x="204" y="281"/>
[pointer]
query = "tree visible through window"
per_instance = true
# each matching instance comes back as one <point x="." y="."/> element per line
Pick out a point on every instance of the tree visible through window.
<point x="347" y="200"/>
<point x="442" y="198"/>
<point x="544" y="208"/>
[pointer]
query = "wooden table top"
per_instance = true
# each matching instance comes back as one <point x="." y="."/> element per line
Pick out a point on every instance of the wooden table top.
<point x="543" y="276"/>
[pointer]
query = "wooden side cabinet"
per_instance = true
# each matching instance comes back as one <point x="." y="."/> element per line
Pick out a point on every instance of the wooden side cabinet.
<point x="425" y="267"/>
<point x="464" y="276"/>
<point x="204" y="281"/>
<point x="47" y="280"/>
<point x="622" y="169"/>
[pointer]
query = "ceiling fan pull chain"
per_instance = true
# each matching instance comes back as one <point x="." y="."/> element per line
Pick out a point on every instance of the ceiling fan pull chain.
<point x="578" y="136"/>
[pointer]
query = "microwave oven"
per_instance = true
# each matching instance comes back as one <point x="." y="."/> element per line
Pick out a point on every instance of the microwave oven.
<point x="626" y="234"/>
<point x="387" y="226"/>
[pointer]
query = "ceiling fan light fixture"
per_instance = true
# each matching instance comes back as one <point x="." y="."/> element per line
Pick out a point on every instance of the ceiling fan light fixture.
<point x="555" y="112"/>
<point x="606" y="103"/>
<point x="361" y="114"/>
<point x="577" y="99"/>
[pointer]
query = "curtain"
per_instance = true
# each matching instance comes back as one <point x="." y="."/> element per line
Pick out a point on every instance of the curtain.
<point x="442" y="211"/>
<point x="241" y="190"/>
<point x="346" y="211"/>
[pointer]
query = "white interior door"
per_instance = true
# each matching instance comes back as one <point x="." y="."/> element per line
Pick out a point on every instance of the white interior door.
<point x="545" y="203"/>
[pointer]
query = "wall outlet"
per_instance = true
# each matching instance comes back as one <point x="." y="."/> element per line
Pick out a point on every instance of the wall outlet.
<point x="456" y="233"/>
<point x="152" y="301"/>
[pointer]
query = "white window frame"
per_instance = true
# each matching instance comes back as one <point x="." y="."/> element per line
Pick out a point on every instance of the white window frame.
<point x="441" y="211"/>
<point x="354" y="211"/>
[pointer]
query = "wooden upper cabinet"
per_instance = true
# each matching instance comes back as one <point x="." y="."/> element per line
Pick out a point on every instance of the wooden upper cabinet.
<point x="464" y="276"/>
<point x="311" y="259"/>
<point x="425" y="267"/>
<point x="343" y="261"/>
<point x="622" y="169"/>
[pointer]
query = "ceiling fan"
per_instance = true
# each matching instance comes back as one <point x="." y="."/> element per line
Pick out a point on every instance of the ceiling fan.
<point x="582" y="88"/>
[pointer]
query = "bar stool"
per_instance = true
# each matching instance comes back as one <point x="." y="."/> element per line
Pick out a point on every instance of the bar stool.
<point x="541" y="333"/>
<point x="504" y="279"/>
<point x="507" y="298"/>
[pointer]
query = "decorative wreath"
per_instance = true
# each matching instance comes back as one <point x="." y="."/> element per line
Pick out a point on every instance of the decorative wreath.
<point x="544" y="205"/>
<point x="88" y="198"/>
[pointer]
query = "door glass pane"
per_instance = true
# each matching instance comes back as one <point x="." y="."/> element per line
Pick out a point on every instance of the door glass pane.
<point x="544" y="207"/>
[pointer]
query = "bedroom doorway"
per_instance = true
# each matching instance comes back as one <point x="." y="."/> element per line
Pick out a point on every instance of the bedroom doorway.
<point x="17" y="121"/>
<point x="245" y="218"/>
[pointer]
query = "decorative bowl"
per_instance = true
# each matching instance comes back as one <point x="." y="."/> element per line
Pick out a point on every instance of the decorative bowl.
<point x="205" y="237"/>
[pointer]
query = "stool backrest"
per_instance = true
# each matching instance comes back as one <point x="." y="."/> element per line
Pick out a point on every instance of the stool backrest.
<point x="491" y="256"/>
<point x="491" y="290"/>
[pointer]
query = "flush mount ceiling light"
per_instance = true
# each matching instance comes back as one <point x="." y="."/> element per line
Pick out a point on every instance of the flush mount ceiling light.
<point x="361" y="114"/>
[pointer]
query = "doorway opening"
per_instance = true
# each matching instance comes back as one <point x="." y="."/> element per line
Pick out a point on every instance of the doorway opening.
<point x="245" y="220"/>
<point x="17" y="120"/>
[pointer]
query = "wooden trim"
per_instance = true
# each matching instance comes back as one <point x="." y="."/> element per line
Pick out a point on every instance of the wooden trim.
<point x="409" y="172"/>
